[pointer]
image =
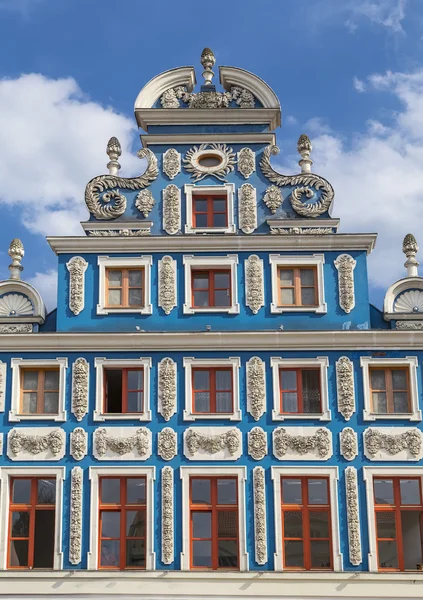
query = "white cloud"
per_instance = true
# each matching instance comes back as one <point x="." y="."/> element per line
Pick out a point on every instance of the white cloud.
<point x="316" y="126"/>
<point x="46" y="284"/>
<point x="388" y="13"/>
<point x="291" y="120"/>
<point x="358" y="85"/>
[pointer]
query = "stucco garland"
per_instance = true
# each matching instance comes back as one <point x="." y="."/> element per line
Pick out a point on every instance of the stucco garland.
<point x="80" y="375"/>
<point x="167" y="516"/>
<point x="203" y="100"/>
<point x="345" y="387"/>
<point x="167" y="443"/>
<point x="345" y="265"/>
<point x="246" y="162"/>
<point x="171" y="209"/>
<point x="35" y="444"/>
<point x="348" y="443"/>
<point x="410" y="440"/>
<point x="76" y="267"/>
<point x="171" y="163"/>
<point x="260" y="532"/>
<point x="78" y="443"/>
<point x="353" y="516"/>
<point x="122" y="445"/>
<point x="319" y="443"/>
<point x="254" y="283"/>
<point x="247" y="208"/>
<point x="167" y="388"/>
<point x="75" y="527"/>
<point x="167" y="284"/>
<point x="256" y="387"/>
<point x="257" y="443"/>
<point x="213" y="443"/>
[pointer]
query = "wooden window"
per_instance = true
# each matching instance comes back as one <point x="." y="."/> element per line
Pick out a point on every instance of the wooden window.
<point x="209" y="211"/>
<point x="212" y="390"/>
<point x="214" y="523"/>
<point x="390" y="390"/>
<point x="211" y="288"/>
<point x="300" y="391"/>
<point x="122" y="521"/>
<point x="398" y="516"/>
<point x="31" y="523"/>
<point x="39" y="391"/>
<point x="306" y="523"/>
<point x="123" y="390"/>
<point x="124" y="288"/>
<point x="297" y="286"/>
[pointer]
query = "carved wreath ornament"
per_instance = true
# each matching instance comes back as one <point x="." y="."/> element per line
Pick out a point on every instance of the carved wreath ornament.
<point x="222" y="152"/>
<point x="213" y="443"/>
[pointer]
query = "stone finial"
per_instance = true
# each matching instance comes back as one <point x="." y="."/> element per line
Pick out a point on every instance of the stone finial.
<point x="16" y="253"/>
<point x="304" y="148"/>
<point x="410" y="249"/>
<point x="113" y="151"/>
<point x="207" y="60"/>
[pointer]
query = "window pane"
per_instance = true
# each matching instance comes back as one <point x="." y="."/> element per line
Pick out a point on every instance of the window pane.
<point x="200" y="280"/>
<point x="110" y="524"/>
<point x="223" y="402"/>
<point x="222" y="298"/>
<point x="44" y="539"/>
<point x="384" y="491"/>
<point x="200" y="491"/>
<point x="307" y="276"/>
<point x="135" y="523"/>
<point x="399" y="379"/>
<point x="224" y="380"/>
<point x="19" y="553"/>
<point x="29" y="403"/>
<point x="228" y="553"/>
<point x="21" y="492"/>
<point x="287" y="296"/>
<point x="286" y="276"/>
<point x="319" y="524"/>
<point x="320" y="554"/>
<point x="135" y="278"/>
<point x="201" y="379"/>
<point x="113" y="390"/>
<point x="226" y="491"/>
<point x="201" y="299"/>
<point x="219" y="205"/>
<point x="114" y="277"/>
<point x="377" y="379"/>
<point x="110" y="553"/>
<point x="307" y="296"/>
<point x="135" y="553"/>
<point x="30" y="380"/>
<point x="20" y="524"/>
<point x="290" y="402"/>
<point x="135" y="380"/>
<point x="311" y="391"/>
<point x="202" y="402"/>
<point x="411" y="538"/>
<point x="51" y="380"/>
<point x="135" y="297"/>
<point x="401" y="402"/>
<point x="380" y="405"/>
<point x="110" y="491"/>
<point x="201" y="220"/>
<point x="201" y="554"/>
<point x="135" y="402"/>
<point x="292" y="524"/>
<point x="410" y="491"/>
<point x="318" y="491"/>
<point x="222" y="280"/>
<point x="288" y="380"/>
<point x="219" y="220"/>
<point x="388" y="557"/>
<point x="201" y="524"/>
<point x="294" y="554"/>
<point x="385" y="525"/>
<point x="46" y="491"/>
<point x="115" y="297"/>
<point x="135" y="491"/>
<point x="51" y="402"/>
<point x="291" y="491"/>
<point x="200" y="205"/>
<point x="227" y="524"/>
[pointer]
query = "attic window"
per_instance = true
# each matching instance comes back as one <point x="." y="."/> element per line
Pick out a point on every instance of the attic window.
<point x="210" y="160"/>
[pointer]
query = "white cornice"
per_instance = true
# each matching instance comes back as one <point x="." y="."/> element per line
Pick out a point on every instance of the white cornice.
<point x="196" y="341"/>
<point x="184" y="76"/>
<point x="234" y="76"/>
<point x="226" y="243"/>
<point x="150" y="139"/>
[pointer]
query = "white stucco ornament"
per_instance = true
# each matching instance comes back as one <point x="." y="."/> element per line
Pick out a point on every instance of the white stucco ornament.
<point x="167" y="388"/>
<point x="260" y="521"/>
<point x="345" y="264"/>
<point x="198" y="161"/>
<point x="167" y="516"/>
<point x="302" y="443"/>
<point x="247" y="208"/>
<point x="257" y="443"/>
<point x="345" y="387"/>
<point x="348" y="443"/>
<point x="167" y="443"/>
<point x="246" y="162"/>
<point x="76" y="267"/>
<point x="78" y="443"/>
<point x="171" y="163"/>
<point x="212" y="443"/>
<point x="256" y="387"/>
<point x="15" y="305"/>
<point x="254" y="283"/>
<point x="80" y="375"/>
<point x="409" y="302"/>
<point x="122" y="443"/>
<point x="172" y="209"/>
<point x="75" y="526"/>
<point x="353" y="516"/>
<point x="167" y="284"/>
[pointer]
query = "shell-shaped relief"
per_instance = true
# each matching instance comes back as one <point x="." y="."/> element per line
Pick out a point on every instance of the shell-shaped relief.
<point x="15" y="305"/>
<point x="409" y="302"/>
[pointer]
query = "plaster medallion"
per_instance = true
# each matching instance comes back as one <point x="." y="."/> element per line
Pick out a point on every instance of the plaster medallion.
<point x="78" y="443"/>
<point x="348" y="442"/>
<point x="257" y="443"/>
<point x="216" y="160"/>
<point x="167" y="443"/>
<point x="145" y="202"/>
<point x="171" y="163"/>
<point x="273" y="198"/>
<point x="246" y="162"/>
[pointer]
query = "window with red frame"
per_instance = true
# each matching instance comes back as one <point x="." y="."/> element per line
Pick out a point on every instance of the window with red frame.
<point x="211" y="288"/>
<point x="306" y="523"/>
<point x="212" y="390"/>
<point x="209" y="211"/>
<point x="122" y="522"/>
<point x="300" y="391"/>
<point x="123" y="391"/>
<point x="214" y="523"/>
<point x="389" y="389"/>
<point x="124" y="288"/>
<point x="297" y="286"/>
<point x="398" y="516"/>
<point x="32" y="512"/>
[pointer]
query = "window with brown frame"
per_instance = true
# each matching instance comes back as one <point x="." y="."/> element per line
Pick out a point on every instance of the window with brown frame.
<point x="214" y="523"/>
<point x="212" y="390"/>
<point x="297" y="286"/>
<point x="124" y="288"/>
<point x="211" y="288"/>
<point x="31" y="523"/>
<point x="390" y="390"/>
<point x="209" y="211"/>
<point x="306" y="523"/>
<point x="300" y="391"/>
<point x="123" y="390"/>
<point x="398" y="516"/>
<point x="122" y="521"/>
<point x="39" y="391"/>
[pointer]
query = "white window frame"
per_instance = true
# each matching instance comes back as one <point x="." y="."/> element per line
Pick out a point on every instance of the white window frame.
<point x="129" y="262"/>
<point x="234" y="362"/>
<point x="314" y="260"/>
<point x="205" y="190"/>
<point x="206" y="471"/>
<point x="410" y="362"/>
<point x="5" y="474"/>
<point x="94" y="474"/>
<point x="100" y="363"/>
<point x="333" y="475"/>
<point x="230" y="261"/>
<point x="322" y="362"/>
<point x="368" y="475"/>
<point x="19" y="363"/>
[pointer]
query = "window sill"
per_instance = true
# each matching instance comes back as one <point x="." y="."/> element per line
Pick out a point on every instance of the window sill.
<point x="118" y="417"/>
<point x="235" y="416"/>
<point x="202" y="230"/>
<point x="145" y="310"/>
<point x="231" y="310"/>
<point x="276" y="309"/>
<point x="277" y="416"/>
<point x="415" y="416"/>
<point x="15" y="417"/>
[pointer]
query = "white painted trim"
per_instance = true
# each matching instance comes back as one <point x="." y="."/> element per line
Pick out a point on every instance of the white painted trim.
<point x="315" y="260"/>
<point x="151" y="92"/>
<point x="100" y="363"/>
<point x="332" y="473"/>
<point x="189" y="139"/>
<point x="234" y="76"/>
<point x="394" y="291"/>
<point x="205" y="190"/>
<point x="411" y="363"/>
<point x="104" y="262"/>
<point x="235" y="363"/>
<point x="5" y="473"/>
<point x="209" y="262"/>
<point x="322" y="362"/>
<point x="17" y="286"/>
<point x="94" y="474"/>
<point x="19" y="363"/>
<point x="216" y="471"/>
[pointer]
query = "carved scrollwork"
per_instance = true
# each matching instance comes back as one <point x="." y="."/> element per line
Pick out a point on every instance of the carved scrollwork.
<point x="345" y="265"/>
<point x="145" y="202"/>
<point x="171" y="163"/>
<point x="23" y="328"/>
<point x="300" y="230"/>
<point x="167" y="516"/>
<point x="118" y="232"/>
<point x="246" y="162"/>
<point x="167" y="388"/>
<point x="348" y="443"/>
<point x="211" y="444"/>
<point x="260" y="532"/>
<point x="75" y="528"/>
<point x="80" y="375"/>
<point x="171" y="209"/>
<point x="105" y="203"/>
<point x="319" y="443"/>
<point x="353" y="516"/>
<point x="78" y="443"/>
<point x="392" y="443"/>
<point x="247" y="208"/>
<point x="140" y="442"/>
<point x="76" y="267"/>
<point x="167" y="284"/>
<point x="20" y="441"/>
<point x="198" y="171"/>
<point x="272" y="198"/>
<point x="203" y="100"/>
<point x="167" y="448"/>
<point x="409" y="325"/>
<point x="257" y="443"/>
<point x="256" y="387"/>
<point x="303" y="184"/>
<point x="254" y="283"/>
<point x="345" y="387"/>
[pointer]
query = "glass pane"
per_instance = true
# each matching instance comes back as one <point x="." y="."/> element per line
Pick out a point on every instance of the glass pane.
<point x="46" y="492"/>
<point x="18" y="553"/>
<point x="224" y="380"/>
<point x="294" y="554"/>
<point x="135" y="523"/>
<point x="290" y="402"/>
<point x="135" y="380"/>
<point x="51" y="402"/>
<point x="292" y="524"/>
<point x="410" y="491"/>
<point x="201" y="524"/>
<point x="411" y="538"/>
<point x="222" y="298"/>
<point x="222" y="280"/>
<point x="219" y="205"/>
<point x="399" y="379"/>
<point x="388" y="557"/>
<point x="201" y="380"/>
<point x="115" y="277"/>
<point x="200" y="491"/>
<point x="200" y="205"/>
<point x="135" y="402"/>
<point x="135" y="553"/>
<point x="377" y="379"/>
<point x="20" y="524"/>
<point x="384" y="491"/>
<point x="201" y="554"/>
<point x="401" y="402"/>
<point x="320" y="554"/>
<point x="318" y="491"/>
<point x="201" y="220"/>
<point x="110" y="491"/>
<point x="311" y="391"/>
<point x="51" y="380"/>
<point x="44" y="539"/>
<point x="29" y="403"/>
<point x="30" y="380"/>
<point x="227" y="524"/>
<point x="135" y="491"/>
<point x="228" y="553"/>
<point x="21" y="492"/>
<point x="319" y="524"/>
<point x="200" y="280"/>
<point x="307" y="297"/>
<point x="110" y="553"/>
<point x="380" y="405"/>
<point x="110" y="524"/>
<point x="287" y="296"/>
<point x="385" y="525"/>
<point x="219" y="220"/>
<point x="223" y="402"/>
<point x="113" y="390"/>
<point x="286" y="276"/>
<point x="202" y="402"/>
<point x="226" y="491"/>
<point x="288" y="380"/>
<point x="115" y="297"/>
<point x="291" y="491"/>
<point x="307" y="276"/>
<point x="135" y="278"/>
<point x="135" y="297"/>
<point x="201" y="299"/>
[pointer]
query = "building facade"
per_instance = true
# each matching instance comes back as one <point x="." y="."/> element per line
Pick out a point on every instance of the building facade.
<point x="214" y="400"/>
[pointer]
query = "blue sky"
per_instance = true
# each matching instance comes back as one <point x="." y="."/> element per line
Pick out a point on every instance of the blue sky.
<point x="348" y="73"/>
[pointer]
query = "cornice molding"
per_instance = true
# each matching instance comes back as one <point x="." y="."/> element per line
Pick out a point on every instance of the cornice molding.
<point x="151" y="139"/>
